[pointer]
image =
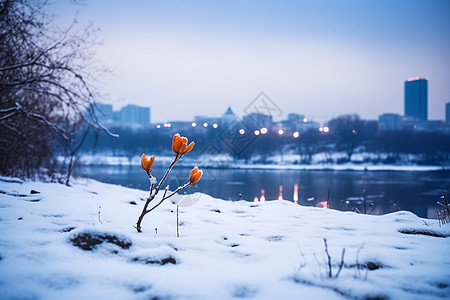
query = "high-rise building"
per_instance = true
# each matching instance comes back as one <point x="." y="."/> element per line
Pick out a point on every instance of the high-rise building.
<point x="104" y="112"/>
<point x="416" y="98"/>
<point x="133" y="114"/>
<point x="447" y="112"/>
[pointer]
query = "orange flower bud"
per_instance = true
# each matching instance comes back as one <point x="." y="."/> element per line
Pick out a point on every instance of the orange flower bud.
<point x="193" y="171"/>
<point x="180" y="146"/>
<point x="176" y="143"/>
<point x="195" y="175"/>
<point x="189" y="148"/>
<point x="147" y="164"/>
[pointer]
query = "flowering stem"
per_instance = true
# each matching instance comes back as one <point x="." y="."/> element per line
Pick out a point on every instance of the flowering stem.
<point x="177" y="157"/>
<point x="170" y="195"/>
<point x="153" y="193"/>
<point x="141" y="217"/>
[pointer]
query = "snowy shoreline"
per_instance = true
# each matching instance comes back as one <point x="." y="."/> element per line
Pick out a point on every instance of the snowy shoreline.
<point x="345" y="167"/>
<point x="64" y="242"/>
<point x="210" y="162"/>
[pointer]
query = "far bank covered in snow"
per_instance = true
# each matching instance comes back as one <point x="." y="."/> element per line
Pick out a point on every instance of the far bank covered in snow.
<point x="59" y="242"/>
<point x="286" y="162"/>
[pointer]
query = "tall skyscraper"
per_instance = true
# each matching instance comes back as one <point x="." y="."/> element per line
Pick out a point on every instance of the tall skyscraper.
<point x="416" y="98"/>
<point x="447" y="112"/>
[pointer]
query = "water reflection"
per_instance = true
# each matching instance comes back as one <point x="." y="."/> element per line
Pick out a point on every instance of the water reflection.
<point x="280" y="193"/>
<point x="295" y="197"/>
<point x="386" y="191"/>
<point x="263" y="197"/>
<point x="323" y="204"/>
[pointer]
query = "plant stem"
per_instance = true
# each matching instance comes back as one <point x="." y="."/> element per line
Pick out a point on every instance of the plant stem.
<point x="170" y="195"/>
<point x="177" y="157"/>
<point x="341" y="264"/>
<point x="330" y="274"/>
<point x="143" y="213"/>
<point x="149" y="199"/>
<point x="155" y="192"/>
<point x="446" y="205"/>
<point x="178" y="231"/>
<point x="328" y="198"/>
<point x="365" y="207"/>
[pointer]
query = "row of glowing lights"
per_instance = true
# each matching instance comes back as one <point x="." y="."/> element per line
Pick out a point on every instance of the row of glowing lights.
<point x="296" y="134"/>
<point x="168" y="125"/>
<point x="194" y="124"/>
<point x="263" y="130"/>
<point x="323" y="204"/>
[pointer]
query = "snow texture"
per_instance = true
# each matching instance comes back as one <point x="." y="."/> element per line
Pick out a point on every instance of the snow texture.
<point x="78" y="242"/>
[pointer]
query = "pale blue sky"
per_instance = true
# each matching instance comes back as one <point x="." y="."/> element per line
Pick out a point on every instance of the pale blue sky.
<point x="314" y="57"/>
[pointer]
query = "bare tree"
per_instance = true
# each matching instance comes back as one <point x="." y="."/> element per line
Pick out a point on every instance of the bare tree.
<point x="47" y="87"/>
<point x="346" y="132"/>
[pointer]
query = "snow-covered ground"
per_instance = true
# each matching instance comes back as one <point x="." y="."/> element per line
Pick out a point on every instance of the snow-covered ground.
<point x="226" y="250"/>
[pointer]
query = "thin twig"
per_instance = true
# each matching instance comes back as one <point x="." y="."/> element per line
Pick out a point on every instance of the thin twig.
<point x="330" y="274"/>
<point x="170" y="195"/>
<point x="178" y="231"/>
<point x="177" y="157"/>
<point x="341" y="264"/>
<point x="328" y="198"/>
<point x="365" y="200"/>
<point x="99" y="215"/>
<point x="358" y="265"/>
<point x="165" y="192"/>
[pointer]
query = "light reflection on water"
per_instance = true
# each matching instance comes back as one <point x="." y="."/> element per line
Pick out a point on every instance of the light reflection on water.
<point x="386" y="191"/>
<point x="295" y="196"/>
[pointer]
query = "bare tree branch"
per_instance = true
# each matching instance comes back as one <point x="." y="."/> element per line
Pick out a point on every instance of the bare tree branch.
<point x="47" y="87"/>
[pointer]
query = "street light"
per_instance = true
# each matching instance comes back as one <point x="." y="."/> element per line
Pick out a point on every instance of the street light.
<point x="280" y="132"/>
<point x="205" y="124"/>
<point x="263" y="130"/>
<point x="296" y="134"/>
<point x="215" y="125"/>
<point x="194" y="124"/>
<point x="256" y="132"/>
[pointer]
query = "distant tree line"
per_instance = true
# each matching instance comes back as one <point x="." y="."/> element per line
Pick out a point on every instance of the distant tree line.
<point x="348" y="135"/>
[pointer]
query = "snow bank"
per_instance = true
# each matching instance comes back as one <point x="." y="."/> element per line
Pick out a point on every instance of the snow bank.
<point x="79" y="243"/>
<point x="275" y="162"/>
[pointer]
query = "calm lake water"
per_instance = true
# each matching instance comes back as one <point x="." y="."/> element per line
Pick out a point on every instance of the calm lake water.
<point x="386" y="191"/>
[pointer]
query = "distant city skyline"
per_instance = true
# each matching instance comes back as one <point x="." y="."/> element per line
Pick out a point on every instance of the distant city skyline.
<point x="317" y="58"/>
